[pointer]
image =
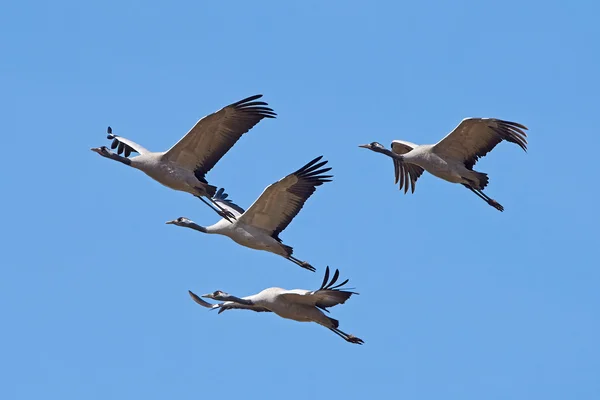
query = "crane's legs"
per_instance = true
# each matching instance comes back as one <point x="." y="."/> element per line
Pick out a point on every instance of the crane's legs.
<point x="218" y="209"/>
<point x="485" y="198"/>
<point x="347" y="337"/>
<point x="302" y="264"/>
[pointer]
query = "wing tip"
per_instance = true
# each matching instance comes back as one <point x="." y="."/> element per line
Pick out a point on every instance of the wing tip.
<point x="259" y="108"/>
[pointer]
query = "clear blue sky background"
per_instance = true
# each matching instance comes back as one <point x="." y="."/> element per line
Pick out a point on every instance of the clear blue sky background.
<point x="457" y="300"/>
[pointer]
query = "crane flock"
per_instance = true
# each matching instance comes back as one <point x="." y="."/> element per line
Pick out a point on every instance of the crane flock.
<point x="184" y="167"/>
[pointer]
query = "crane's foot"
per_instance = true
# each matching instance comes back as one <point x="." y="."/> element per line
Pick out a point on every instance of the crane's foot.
<point x="309" y="267"/>
<point x="354" y="339"/>
<point x="495" y="204"/>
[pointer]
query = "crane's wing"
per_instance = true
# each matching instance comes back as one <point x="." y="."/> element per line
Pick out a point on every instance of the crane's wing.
<point x="220" y="198"/>
<point x="405" y="172"/>
<point x="208" y="141"/>
<point x="475" y="137"/>
<point x="124" y="145"/>
<point x="328" y="295"/>
<point x="402" y="146"/>
<point x="282" y="201"/>
<point x="227" y="305"/>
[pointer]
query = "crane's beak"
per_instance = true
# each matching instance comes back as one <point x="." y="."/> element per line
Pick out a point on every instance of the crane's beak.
<point x="171" y="222"/>
<point x="208" y="296"/>
<point x="199" y="301"/>
<point x="103" y="151"/>
<point x="364" y="146"/>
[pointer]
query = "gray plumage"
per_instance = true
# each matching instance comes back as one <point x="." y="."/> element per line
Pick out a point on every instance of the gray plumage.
<point x="184" y="166"/>
<point x="297" y="304"/>
<point x="259" y="227"/>
<point x="453" y="157"/>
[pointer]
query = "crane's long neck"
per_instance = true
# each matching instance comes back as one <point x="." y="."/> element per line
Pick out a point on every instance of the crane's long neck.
<point x="238" y="300"/>
<point x="119" y="158"/>
<point x="196" y="227"/>
<point x="390" y="153"/>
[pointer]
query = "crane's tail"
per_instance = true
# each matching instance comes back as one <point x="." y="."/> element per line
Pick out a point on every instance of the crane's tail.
<point x="335" y="323"/>
<point x="206" y="190"/>
<point x="211" y="190"/>
<point x="478" y="180"/>
<point x="288" y="249"/>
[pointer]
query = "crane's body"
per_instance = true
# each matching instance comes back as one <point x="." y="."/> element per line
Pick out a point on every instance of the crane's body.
<point x="452" y="158"/>
<point x="447" y="169"/>
<point x="171" y="174"/>
<point x="248" y="236"/>
<point x="183" y="167"/>
<point x="259" y="227"/>
<point x="297" y="304"/>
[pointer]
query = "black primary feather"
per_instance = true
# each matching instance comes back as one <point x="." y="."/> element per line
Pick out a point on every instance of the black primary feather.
<point x="117" y="144"/>
<point x="222" y="196"/>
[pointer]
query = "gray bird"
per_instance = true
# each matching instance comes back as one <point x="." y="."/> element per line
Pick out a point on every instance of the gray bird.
<point x="259" y="227"/>
<point x="184" y="166"/>
<point x="453" y="157"/>
<point x="298" y="304"/>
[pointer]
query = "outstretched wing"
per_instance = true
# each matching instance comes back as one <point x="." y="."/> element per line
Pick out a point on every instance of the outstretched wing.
<point x="405" y="172"/>
<point x="124" y="145"/>
<point x="228" y="305"/>
<point x="282" y="201"/>
<point x="475" y="137"/>
<point x="208" y="141"/>
<point x="221" y="198"/>
<point x="328" y="295"/>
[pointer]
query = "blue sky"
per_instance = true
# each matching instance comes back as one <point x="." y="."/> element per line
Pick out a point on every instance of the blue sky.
<point x="457" y="300"/>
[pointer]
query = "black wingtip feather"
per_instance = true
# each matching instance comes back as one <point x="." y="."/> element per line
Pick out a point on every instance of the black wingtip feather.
<point x="309" y="177"/>
<point x="257" y="108"/>
<point x="120" y="146"/>
<point x="514" y="124"/>
<point x="325" y="278"/>
<point x="309" y="169"/>
<point x="340" y="285"/>
<point x="247" y="99"/>
<point x="256" y="103"/>
<point x="335" y="277"/>
<point x="329" y="284"/>
<point x="512" y="132"/>
<point x="222" y="196"/>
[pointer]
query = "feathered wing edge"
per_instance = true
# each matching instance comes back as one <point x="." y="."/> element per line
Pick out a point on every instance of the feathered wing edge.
<point x="335" y="293"/>
<point x="406" y="174"/>
<point x="309" y="177"/>
<point x="505" y="130"/>
<point x="222" y="198"/>
<point x="123" y="145"/>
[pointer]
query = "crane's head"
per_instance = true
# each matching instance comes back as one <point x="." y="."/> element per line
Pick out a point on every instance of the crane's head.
<point x="187" y="223"/>
<point x="217" y="295"/>
<point x="103" y="151"/>
<point x="375" y="146"/>
<point x="181" y="221"/>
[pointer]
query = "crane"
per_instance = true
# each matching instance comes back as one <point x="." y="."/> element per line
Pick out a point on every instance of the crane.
<point x="259" y="227"/>
<point x="453" y="157"/>
<point x="184" y="166"/>
<point x="298" y="304"/>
